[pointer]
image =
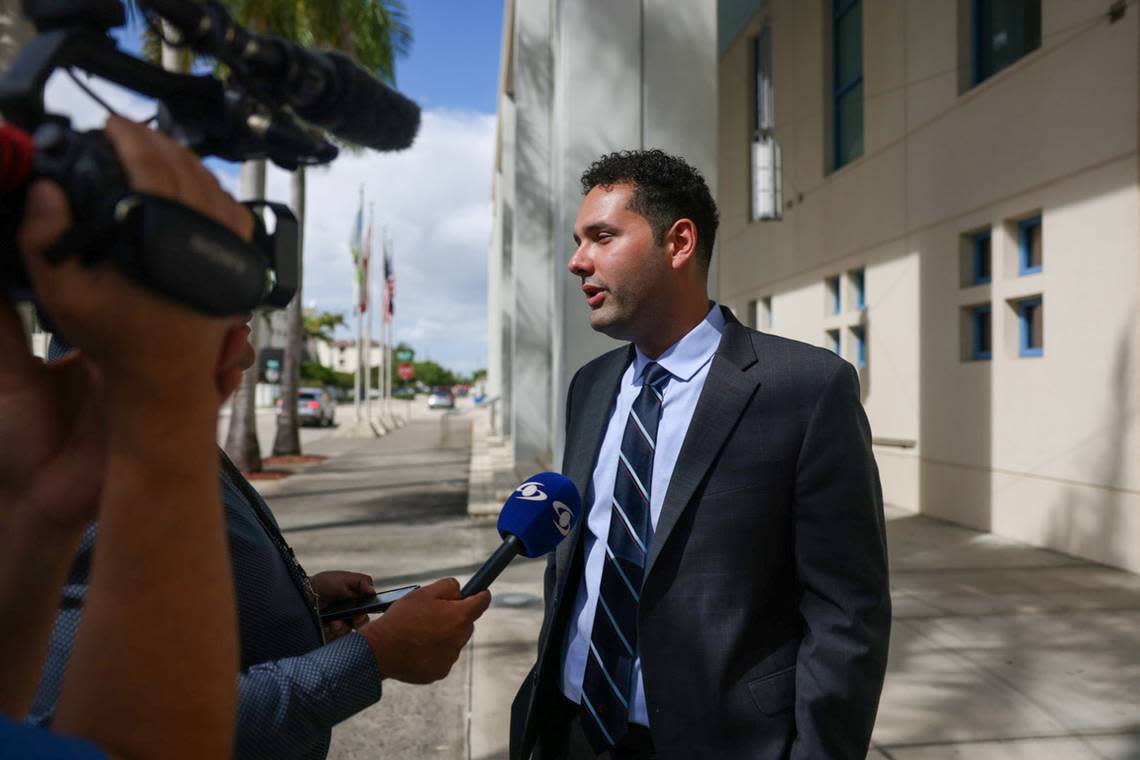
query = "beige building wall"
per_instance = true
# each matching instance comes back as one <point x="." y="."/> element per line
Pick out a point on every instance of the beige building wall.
<point x="1041" y="449"/>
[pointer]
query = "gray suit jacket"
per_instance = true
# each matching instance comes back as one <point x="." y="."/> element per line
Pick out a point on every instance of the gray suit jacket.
<point x="765" y="607"/>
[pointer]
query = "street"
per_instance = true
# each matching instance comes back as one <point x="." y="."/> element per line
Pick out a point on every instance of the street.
<point x="394" y="507"/>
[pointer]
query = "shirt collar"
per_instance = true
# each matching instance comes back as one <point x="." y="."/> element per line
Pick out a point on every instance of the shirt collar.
<point x="685" y="358"/>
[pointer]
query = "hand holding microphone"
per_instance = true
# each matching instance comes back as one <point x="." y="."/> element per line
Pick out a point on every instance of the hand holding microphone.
<point x="537" y="516"/>
<point x="420" y="636"/>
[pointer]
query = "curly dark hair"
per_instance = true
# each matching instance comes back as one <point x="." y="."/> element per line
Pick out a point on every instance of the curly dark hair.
<point x="665" y="189"/>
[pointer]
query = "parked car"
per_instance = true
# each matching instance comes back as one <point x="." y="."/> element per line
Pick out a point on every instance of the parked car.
<point x="404" y="391"/>
<point x="315" y="406"/>
<point x="441" y="398"/>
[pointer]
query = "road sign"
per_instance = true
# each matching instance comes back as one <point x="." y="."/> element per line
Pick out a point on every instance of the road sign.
<point x="403" y="355"/>
<point x="406" y="371"/>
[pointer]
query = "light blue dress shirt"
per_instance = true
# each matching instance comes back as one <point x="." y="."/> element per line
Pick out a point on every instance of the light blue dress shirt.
<point x="688" y="362"/>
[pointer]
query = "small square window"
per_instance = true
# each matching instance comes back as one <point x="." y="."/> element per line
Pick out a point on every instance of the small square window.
<point x="1030" y="244"/>
<point x="833" y="295"/>
<point x="859" y="334"/>
<point x="858" y="287"/>
<point x="1004" y="32"/>
<point x="833" y="340"/>
<point x="1031" y="317"/>
<point x="981" y="332"/>
<point x="981" y="267"/>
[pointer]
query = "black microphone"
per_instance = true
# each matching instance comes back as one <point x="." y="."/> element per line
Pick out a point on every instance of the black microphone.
<point x="326" y="89"/>
<point x="537" y="516"/>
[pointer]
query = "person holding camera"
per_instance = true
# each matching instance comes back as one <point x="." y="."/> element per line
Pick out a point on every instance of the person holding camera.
<point x="297" y="679"/>
<point x="105" y="433"/>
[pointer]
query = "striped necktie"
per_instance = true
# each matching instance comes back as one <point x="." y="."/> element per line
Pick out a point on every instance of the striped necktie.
<point x="608" y="682"/>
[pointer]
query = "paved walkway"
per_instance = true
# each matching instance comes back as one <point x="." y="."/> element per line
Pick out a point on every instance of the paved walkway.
<point x="999" y="651"/>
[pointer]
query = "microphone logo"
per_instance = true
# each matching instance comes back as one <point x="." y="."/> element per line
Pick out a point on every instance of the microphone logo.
<point x="563" y="516"/>
<point x="531" y="491"/>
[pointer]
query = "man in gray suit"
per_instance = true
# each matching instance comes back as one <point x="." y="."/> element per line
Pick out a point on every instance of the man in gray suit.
<point x="726" y="595"/>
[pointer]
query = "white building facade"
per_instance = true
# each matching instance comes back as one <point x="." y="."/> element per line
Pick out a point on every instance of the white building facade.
<point x="579" y="78"/>
<point x="945" y="192"/>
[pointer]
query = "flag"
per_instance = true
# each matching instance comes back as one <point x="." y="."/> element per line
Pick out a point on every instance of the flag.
<point x="389" y="285"/>
<point x="356" y="244"/>
<point x="365" y="258"/>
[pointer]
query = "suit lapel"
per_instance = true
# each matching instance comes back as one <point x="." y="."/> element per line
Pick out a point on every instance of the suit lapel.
<point x="732" y="380"/>
<point x="590" y="416"/>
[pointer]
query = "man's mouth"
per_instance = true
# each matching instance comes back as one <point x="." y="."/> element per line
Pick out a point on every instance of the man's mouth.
<point x="594" y="295"/>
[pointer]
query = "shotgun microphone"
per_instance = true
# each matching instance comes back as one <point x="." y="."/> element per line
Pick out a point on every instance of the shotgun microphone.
<point x="537" y="516"/>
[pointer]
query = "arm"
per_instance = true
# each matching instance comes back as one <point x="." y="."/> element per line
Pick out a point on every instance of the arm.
<point x="293" y="702"/>
<point x="124" y="689"/>
<point x="841" y="562"/>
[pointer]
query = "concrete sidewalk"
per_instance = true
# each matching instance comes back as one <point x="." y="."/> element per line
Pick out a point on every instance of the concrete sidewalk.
<point x="999" y="651"/>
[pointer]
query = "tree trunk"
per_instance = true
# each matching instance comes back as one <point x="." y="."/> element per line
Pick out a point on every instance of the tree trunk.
<point x="288" y="440"/>
<point x="241" y="438"/>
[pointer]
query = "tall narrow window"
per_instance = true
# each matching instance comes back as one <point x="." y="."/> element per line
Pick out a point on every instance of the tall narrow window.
<point x="1004" y="31"/>
<point x="847" y="76"/>
<point x="1031" y="315"/>
<point x="767" y="180"/>
<point x="982" y="323"/>
<point x="981" y="258"/>
<point x="859" y="334"/>
<point x="833" y="302"/>
<point x="833" y="340"/>
<point x="1030" y="245"/>
<point x="859" y="288"/>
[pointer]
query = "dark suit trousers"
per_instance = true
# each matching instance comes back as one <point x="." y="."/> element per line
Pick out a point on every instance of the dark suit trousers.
<point x="563" y="738"/>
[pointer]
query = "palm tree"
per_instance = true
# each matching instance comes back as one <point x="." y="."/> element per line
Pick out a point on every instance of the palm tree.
<point x="374" y="32"/>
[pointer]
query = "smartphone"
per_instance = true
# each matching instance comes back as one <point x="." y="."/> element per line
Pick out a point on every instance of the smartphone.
<point x="348" y="608"/>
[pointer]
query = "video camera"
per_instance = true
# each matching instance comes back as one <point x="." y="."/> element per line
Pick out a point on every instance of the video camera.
<point x="273" y="104"/>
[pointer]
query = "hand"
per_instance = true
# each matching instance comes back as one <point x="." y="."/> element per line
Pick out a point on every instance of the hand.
<point x="53" y="416"/>
<point x="141" y="339"/>
<point x="339" y="585"/>
<point x="420" y="637"/>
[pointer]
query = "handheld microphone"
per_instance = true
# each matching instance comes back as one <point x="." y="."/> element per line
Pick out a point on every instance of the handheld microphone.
<point x="537" y="516"/>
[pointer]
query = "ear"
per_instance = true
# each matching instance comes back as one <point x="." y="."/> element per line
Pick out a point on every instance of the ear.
<point x="681" y="243"/>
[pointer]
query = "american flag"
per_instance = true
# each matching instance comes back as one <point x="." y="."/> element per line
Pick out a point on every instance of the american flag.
<point x="389" y="284"/>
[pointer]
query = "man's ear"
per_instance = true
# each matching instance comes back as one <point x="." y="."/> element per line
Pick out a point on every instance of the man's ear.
<point x="681" y="243"/>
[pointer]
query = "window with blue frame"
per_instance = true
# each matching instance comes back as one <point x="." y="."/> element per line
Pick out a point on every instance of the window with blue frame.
<point x="1030" y="245"/>
<point x="1031" y="316"/>
<point x="833" y="340"/>
<point x="981" y="258"/>
<point x="981" y="323"/>
<point x="859" y="334"/>
<point x="1004" y="32"/>
<point x="833" y="301"/>
<point x="858" y="288"/>
<point x="847" y="78"/>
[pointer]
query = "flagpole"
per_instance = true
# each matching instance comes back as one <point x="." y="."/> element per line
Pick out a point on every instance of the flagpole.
<point x="367" y="284"/>
<point x="357" y="242"/>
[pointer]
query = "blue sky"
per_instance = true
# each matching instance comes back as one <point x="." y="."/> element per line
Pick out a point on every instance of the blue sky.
<point x="433" y="198"/>
<point x="454" y="61"/>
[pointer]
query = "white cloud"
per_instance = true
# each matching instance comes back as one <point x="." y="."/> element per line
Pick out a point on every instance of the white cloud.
<point x="434" y="198"/>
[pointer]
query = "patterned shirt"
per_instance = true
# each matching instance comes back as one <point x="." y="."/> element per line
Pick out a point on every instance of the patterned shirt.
<point x="293" y="688"/>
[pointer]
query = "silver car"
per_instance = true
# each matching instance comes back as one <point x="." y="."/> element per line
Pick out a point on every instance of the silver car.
<point x="441" y="398"/>
<point x="315" y="406"/>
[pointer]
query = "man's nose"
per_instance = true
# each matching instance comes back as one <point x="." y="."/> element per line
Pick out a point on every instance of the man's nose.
<point x="579" y="263"/>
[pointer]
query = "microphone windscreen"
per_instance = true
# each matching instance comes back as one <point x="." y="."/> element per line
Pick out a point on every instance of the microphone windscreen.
<point x="366" y="112"/>
<point x="541" y="512"/>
